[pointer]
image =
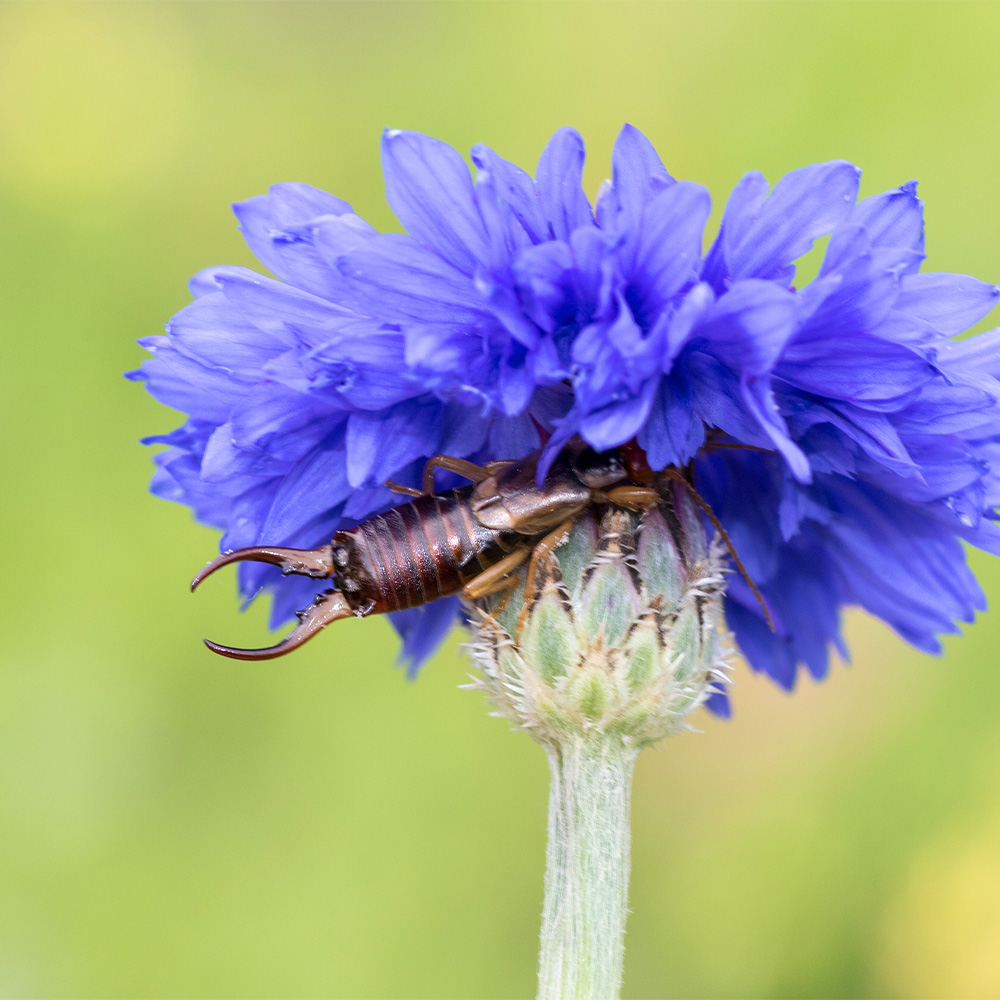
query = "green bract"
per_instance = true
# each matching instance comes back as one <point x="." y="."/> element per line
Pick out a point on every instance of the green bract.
<point x="620" y="636"/>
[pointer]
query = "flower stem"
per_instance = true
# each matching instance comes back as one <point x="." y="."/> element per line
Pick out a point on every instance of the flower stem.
<point x="587" y="869"/>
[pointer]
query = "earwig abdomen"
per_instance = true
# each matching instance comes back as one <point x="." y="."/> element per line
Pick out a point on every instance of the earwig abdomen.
<point x="416" y="553"/>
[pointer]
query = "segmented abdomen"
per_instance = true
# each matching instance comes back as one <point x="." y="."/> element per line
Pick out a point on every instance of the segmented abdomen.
<point x="416" y="553"/>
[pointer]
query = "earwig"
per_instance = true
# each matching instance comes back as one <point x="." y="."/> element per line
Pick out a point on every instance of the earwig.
<point x="468" y="541"/>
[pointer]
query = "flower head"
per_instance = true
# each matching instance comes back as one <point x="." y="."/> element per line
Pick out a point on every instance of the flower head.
<point x="845" y="441"/>
<point x="619" y="640"/>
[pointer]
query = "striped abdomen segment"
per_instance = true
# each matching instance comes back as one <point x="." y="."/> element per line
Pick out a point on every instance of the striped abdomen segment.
<point x="416" y="553"/>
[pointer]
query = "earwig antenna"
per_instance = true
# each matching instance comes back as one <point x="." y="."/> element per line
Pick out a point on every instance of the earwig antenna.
<point x="736" y="445"/>
<point x="713" y="441"/>
<point x="678" y="477"/>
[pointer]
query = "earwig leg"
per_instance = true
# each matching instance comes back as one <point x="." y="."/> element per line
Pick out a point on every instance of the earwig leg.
<point x="330" y="606"/>
<point x="495" y="578"/>
<point x="678" y="477"/>
<point x="474" y="473"/>
<point x="504" y="594"/>
<point x="632" y="497"/>
<point x="406" y="491"/>
<point x="317" y="563"/>
<point x="541" y="551"/>
<point x="497" y="464"/>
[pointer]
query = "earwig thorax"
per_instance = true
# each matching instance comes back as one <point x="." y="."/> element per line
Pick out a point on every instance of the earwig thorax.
<point x="510" y="501"/>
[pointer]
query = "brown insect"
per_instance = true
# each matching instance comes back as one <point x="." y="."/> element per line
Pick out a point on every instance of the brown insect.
<point x="469" y="541"/>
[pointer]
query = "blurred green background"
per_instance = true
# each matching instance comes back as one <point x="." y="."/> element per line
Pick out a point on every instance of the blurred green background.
<point x="177" y="825"/>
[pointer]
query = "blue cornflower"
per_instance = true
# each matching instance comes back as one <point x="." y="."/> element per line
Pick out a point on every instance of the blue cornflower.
<point x="847" y="444"/>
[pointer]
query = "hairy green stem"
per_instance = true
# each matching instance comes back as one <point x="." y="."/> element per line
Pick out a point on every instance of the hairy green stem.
<point x="587" y="869"/>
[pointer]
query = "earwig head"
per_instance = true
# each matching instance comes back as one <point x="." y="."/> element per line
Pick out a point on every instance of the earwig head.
<point x="598" y="469"/>
<point x="330" y="606"/>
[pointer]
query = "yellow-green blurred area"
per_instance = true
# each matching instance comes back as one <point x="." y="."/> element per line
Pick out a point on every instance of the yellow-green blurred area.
<point x="173" y="824"/>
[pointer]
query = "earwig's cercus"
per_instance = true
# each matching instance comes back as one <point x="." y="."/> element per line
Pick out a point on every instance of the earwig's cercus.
<point x="470" y="540"/>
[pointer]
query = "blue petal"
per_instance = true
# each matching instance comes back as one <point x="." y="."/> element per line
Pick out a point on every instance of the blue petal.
<point x="847" y="244"/>
<point x="894" y="219"/>
<point x="513" y="437"/>
<point x="271" y="221"/>
<point x="544" y="276"/>
<point x="682" y="323"/>
<point x="592" y="256"/>
<point x="638" y="175"/>
<point x="464" y="430"/>
<point x="423" y="630"/>
<point x="614" y="353"/>
<point x="378" y="444"/>
<point x="364" y="365"/>
<point x="233" y="470"/>
<point x="855" y="291"/>
<point x="669" y="247"/>
<point x="446" y="354"/>
<point x="759" y="401"/>
<point x="205" y="282"/>
<point x="396" y="279"/>
<point x="516" y="387"/>
<point x="951" y="303"/>
<point x="901" y="564"/>
<point x="277" y="307"/>
<point x="506" y="235"/>
<point x="804" y="205"/>
<point x="637" y="166"/>
<point x="804" y="601"/>
<point x="515" y="189"/>
<point x="748" y="327"/>
<point x="743" y="488"/>
<point x="514" y="311"/>
<point x="948" y="469"/>
<point x="765" y="652"/>
<point x="874" y="433"/>
<point x="429" y="189"/>
<point x="948" y="408"/>
<point x="718" y="704"/>
<point x="365" y="502"/>
<point x="313" y="487"/>
<point x="558" y="179"/>
<point x="742" y="208"/>
<point x="333" y="237"/>
<point x="214" y="332"/>
<point x="284" y="421"/>
<point x="743" y="407"/>
<point x="672" y="433"/>
<point x="615" y="423"/>
<point x="191" y="387"/>
<point x="854" y="367"/>
<point x="980" y="353"/>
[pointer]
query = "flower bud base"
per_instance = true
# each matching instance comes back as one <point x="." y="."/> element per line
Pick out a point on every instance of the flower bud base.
<point x="614" y="647"/>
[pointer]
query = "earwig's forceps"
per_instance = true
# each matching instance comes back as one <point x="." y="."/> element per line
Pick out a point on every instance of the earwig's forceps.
<point x="317" y="563"/>
<point x="330" y="606"/>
